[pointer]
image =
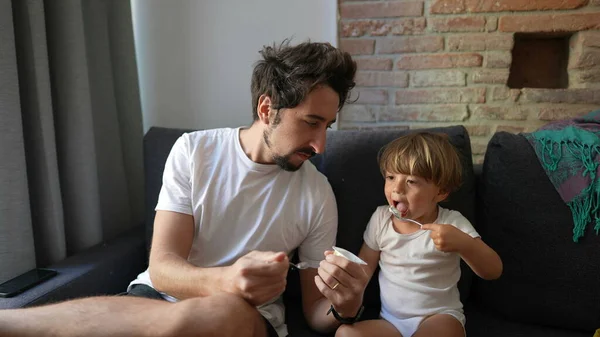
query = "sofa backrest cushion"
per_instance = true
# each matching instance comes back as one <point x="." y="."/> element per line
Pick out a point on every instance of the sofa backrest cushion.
<point x="548" y="279"/>
<point x="350" y="164"/>
<point x="157" y="146"/>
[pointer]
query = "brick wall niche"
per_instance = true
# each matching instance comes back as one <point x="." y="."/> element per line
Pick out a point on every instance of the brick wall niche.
<point x="491" y="65"/>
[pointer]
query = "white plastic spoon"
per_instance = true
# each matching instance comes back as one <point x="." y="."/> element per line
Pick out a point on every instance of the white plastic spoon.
<point x="397" y="214"/>
<point x="301" y="265"/>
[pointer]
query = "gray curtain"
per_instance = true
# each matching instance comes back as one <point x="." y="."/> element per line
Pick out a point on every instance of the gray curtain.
<point x="70" y="129"/>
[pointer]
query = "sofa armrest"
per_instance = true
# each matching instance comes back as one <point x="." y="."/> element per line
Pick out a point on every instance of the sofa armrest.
<point x="104" y="269"/>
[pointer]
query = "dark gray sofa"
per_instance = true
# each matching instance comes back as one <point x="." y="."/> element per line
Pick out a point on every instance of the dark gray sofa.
<point x="105" y="269"/>
<point x="549" y="286"/>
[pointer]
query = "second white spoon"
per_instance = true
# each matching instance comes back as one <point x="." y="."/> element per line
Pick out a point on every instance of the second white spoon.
<point x="301" y="265"/>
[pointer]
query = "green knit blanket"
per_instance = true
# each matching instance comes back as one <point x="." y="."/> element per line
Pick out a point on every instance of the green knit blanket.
<point x="569" y="151"/>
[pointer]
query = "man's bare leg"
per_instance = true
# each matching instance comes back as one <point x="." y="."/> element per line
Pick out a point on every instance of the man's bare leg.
<point x="374" y="327"/>
<point x="219" y="315"/>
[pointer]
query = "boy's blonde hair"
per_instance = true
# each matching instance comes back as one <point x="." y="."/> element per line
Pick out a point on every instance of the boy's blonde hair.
<point x="424" y="154"/>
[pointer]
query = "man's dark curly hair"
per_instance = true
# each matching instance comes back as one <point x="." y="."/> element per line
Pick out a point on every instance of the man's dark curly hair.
<point x="288" y="73"/>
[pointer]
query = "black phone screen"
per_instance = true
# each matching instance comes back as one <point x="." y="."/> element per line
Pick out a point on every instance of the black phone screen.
<point x="25" y="281"/>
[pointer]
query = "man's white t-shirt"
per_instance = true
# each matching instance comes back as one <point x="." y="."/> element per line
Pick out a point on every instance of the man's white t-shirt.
<point x="415" y="278"/>
<point x="239" y="206"/>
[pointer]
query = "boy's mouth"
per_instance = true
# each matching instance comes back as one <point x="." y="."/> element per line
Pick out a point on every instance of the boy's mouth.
<point x="403" y="209"/>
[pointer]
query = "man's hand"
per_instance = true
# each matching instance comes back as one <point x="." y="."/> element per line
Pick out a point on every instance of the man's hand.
<point x="447" y="238"/>
<point x="343" y="283"/>
<point x="257" y="276"/>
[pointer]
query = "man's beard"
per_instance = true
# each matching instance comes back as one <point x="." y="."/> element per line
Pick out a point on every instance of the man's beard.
<point x="284" y="161"/>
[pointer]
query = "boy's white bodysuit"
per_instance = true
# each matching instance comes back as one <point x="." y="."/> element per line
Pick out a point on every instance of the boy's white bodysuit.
<point x="416" y="280"/>
<point x="239" y="206"/>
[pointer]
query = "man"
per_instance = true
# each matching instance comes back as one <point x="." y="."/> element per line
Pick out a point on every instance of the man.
<point x="235" y="203"/>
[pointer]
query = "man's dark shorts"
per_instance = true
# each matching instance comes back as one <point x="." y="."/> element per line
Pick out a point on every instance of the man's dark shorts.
<point x="142" y="290"/>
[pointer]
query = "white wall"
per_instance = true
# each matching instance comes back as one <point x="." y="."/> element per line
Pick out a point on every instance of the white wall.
<point x="195" y="57"/>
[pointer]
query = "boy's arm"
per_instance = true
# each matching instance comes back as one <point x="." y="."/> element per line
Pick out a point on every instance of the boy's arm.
<point x="482" y="259"/>
<point x="371" y="257"/>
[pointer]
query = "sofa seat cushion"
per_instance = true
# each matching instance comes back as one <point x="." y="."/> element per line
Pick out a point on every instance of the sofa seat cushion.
<point x="484" y="323"/>
<point x="548" y="279"/>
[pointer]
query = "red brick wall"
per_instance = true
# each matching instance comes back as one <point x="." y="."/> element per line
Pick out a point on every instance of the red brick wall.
<point x="426" y="63"/>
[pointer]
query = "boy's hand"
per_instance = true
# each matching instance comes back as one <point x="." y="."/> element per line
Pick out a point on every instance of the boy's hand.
<point x="447" y="238"/>
<point x="343" y="283"/>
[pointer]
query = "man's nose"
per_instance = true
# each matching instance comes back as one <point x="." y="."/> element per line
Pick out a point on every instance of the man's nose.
<point x="318" y="144"/>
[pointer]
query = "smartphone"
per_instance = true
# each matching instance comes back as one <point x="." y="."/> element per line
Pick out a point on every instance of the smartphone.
<point x="25" y="281"/>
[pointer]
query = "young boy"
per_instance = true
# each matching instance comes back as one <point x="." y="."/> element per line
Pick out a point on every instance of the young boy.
<point x="420" y="266"/>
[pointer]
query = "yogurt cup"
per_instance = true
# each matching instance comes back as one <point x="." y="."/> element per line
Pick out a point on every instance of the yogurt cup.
<point x="337" y="251"/>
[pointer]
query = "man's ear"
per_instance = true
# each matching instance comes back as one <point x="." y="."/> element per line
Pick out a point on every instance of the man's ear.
<point x="264" y="108"/>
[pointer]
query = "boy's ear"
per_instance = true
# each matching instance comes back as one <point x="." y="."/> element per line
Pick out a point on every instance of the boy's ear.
<point x="264" y="108"/>
<point x="442" y="195"/>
